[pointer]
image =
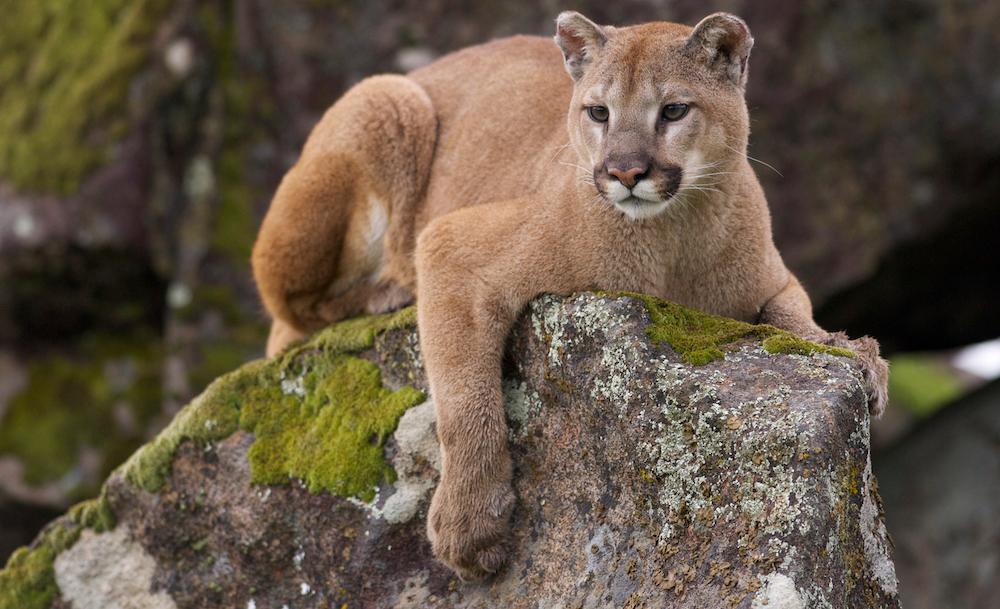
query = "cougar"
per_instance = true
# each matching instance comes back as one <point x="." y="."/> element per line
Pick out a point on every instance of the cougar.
<point x="489" y="177"/>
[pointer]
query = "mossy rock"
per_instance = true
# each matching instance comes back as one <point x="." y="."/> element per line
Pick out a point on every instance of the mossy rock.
<point x="28" y="580"/>
<point x="701" y="338"/>
<point x="318" y="414"/>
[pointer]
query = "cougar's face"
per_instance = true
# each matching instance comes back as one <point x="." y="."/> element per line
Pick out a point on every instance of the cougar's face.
<point x="653" y="123"/>
<point x="644" y="143"/>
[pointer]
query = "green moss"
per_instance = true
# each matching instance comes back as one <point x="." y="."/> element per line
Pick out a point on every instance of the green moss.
<point x="28" y="581"/>
<point x="65" y="69"/>
<point x="73" y="403"/>
<point x="212" y="416"/>
<point x="331" y="438"/>
<point x="791" y="344"/>
<point x="355" y="334"/>
<point x="699" y="338"/>
<point x="317" y="413"/>
<point x="94" y="514"/>
<point x="922" y="383"/>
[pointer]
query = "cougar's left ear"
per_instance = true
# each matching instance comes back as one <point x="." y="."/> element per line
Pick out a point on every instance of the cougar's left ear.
<point x="722" y="42"/>
<point x="580" y="40"/>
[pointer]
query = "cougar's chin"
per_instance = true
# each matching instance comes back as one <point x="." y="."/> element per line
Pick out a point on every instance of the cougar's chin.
<point x="638" y="203"/>
<point x="641" y="209"/>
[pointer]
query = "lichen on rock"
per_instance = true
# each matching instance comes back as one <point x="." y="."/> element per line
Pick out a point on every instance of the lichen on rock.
<point x="416" y="461"/>
<point x="109" y="570"/>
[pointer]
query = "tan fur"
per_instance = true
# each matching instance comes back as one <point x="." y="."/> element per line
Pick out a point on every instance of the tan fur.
<point x="493" y="194"/>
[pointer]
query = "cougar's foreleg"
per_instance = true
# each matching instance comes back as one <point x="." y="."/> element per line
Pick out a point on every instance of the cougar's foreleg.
<point x="473" y="278"/>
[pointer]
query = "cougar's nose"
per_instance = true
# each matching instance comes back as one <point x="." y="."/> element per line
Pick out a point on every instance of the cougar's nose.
<point x="630" y="173"/>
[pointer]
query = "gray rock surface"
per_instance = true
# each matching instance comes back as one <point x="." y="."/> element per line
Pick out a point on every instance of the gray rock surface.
<point x="643" y="482"/>
<point x="109" y="570"/>
<point x="941" y="487"/>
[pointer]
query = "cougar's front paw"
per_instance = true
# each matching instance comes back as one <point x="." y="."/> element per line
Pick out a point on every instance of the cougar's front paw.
<point x="876" y="371"/>
<point x="468" y="527"/>
<point x="874" y="368"/>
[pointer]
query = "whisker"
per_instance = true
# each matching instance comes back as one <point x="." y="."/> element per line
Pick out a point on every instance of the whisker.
<point x="696" y="188"/>
<point x="756" y="160"/>
<point x="712" y="164"/>
<point x="580" y="167"/>
<point x="559" y="150"/>
<point x="685" y="204"/>
<point x="716" y="173"/>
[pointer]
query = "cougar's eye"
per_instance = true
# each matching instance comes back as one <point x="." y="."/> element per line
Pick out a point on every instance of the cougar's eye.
<point x="598" y="114"/>
<point x="674" y="112"/>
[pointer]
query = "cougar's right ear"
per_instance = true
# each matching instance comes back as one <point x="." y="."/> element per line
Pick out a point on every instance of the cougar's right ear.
<point x="580" y="40"/>
<point x="722" y="43"/>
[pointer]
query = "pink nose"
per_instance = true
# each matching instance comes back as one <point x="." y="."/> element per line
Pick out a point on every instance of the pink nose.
<point x="628" y="177"/>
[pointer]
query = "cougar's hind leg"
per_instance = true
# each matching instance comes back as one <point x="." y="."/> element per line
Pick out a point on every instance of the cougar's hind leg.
<point x="389" y="296"/>
<point x="337" y="238"/>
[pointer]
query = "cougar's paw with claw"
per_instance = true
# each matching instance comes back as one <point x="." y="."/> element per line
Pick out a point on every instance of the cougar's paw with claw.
<point x="468" y="527"/>
<point x="873" y="367"/>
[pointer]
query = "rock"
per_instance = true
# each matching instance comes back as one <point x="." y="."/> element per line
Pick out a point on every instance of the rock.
<point x="941" y="486"/>
<point x="643" y="480"/>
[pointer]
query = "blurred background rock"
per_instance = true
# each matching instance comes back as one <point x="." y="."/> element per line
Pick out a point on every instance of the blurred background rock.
<point x="140" y="141"/>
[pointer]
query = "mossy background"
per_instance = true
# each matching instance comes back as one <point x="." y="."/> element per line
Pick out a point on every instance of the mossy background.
<point x="140" y="142"/>
<point x="65" y="72"/>
<point x="104" y="401"/>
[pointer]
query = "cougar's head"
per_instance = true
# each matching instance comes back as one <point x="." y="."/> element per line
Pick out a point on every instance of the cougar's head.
<point x="657" y="109"/>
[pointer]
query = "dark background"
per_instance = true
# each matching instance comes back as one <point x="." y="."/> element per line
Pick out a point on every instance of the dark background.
<point x="140" y="141"/>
